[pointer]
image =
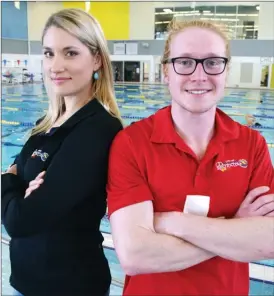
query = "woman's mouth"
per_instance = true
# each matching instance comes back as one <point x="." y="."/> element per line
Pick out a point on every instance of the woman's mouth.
<point x="60" y="80"/>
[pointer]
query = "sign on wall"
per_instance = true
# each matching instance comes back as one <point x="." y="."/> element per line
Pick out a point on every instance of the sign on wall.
<point x="266" y="60"/>
<point x="119" y="48"/>
<point x="132" y="48"/>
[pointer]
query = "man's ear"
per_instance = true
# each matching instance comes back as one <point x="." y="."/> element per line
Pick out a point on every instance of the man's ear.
<point x="166" y="78"/>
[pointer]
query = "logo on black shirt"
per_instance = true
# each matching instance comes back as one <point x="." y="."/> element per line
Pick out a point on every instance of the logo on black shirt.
<point x="41" y="154"/>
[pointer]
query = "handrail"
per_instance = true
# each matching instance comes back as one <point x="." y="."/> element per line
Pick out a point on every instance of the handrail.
<point x="5" y="241"/>
<point x="116" y="282"/>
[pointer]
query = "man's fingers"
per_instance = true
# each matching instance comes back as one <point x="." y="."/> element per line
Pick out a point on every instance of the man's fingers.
<point x="271" y="214"/>
<point x="254" y="193"/>
<point x="258" y="203"/>
<point x="265" y="209"/>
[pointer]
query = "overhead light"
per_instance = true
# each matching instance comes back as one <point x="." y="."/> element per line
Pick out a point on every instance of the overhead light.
<point x="208" y="13"/>
<point x="158" y="23"/>
<point x="167" y="10"/>
<point x="87" y="6"/>
<point x="187" y="14"/>
<point x="220" y="19"/>
<point x="258" y="7"/>
<point x="17" y="4"/>
<point x="241" y="14"/>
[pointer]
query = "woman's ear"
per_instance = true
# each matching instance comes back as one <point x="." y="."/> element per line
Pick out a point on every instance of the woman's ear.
<point x="97" y="62"/>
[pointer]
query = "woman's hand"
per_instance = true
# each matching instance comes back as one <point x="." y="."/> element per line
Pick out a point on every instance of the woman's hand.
<point x="12" y="169"/>
<point x="34" y="184"/>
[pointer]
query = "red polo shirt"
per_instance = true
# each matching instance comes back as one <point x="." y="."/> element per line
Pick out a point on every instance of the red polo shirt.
<point x="149" y="161"/>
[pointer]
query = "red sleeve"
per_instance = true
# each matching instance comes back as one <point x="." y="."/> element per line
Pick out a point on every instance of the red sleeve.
<point x="263" y="171"/>
<point x="126" y="181"/>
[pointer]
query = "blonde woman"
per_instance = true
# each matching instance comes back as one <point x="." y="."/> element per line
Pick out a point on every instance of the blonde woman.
<point x="54" y="197"/>
<point x="174" y="174"/>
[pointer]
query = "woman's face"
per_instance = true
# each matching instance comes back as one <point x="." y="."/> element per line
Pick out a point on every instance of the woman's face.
<point x="68" y="63"/>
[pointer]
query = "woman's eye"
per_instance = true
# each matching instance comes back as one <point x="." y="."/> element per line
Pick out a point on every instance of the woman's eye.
<point x="48" y="54"/>
<point x="72" y="53"/>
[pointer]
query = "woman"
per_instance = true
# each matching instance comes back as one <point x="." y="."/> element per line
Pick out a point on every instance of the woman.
<point x="53" y="197"/>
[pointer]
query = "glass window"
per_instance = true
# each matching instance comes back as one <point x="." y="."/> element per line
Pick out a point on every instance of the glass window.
<point x="241" y="21"/>
<point x="162" y="18"/>
<point x="185" y="13"/>
<point x="206" y="12"/>
<point x="247" y="26"/>
<point x="227" y="15"/>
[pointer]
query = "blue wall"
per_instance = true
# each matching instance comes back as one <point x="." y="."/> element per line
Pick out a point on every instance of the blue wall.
<point x="14" y="21"/>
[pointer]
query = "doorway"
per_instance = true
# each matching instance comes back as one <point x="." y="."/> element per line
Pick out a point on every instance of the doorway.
<point x="118" y="71"/>
<point x="132" y="71"/>
<point x="146" y="67"/>
<point x="264" y="76"/>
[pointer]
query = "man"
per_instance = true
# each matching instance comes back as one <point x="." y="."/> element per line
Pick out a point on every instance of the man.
<point x="176" y="175"/>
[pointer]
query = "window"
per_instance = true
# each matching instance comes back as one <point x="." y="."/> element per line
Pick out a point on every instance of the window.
<point x="248" y="22"/>
<point x="241" y="21"/>
<point x="163" y="16"/>
<point x="227" y="15"/>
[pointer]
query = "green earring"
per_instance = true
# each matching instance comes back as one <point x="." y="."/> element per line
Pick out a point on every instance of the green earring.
<point x="96" y="76"/>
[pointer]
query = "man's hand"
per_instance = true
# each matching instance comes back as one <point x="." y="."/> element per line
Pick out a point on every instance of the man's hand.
<point x="165" y="222"/>
<point x="253" y="206"/>
<point x="168" y="222"/>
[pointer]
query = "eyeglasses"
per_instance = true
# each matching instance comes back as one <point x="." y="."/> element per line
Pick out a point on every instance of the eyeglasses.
<point x="187" y="66"/>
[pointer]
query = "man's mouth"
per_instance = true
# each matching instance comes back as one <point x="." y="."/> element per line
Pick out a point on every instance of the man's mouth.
<point x="198" y="91"/>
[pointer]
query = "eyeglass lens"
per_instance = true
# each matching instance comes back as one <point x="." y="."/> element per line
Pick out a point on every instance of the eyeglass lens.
<point x="188" y="65"/>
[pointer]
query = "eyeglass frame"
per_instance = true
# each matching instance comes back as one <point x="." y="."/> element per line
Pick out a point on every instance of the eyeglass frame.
<point x="197" y="61"/>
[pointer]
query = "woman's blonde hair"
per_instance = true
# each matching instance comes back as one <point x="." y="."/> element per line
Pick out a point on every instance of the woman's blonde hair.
<point x="176" y="26"/>
<point x="86" y="28"/>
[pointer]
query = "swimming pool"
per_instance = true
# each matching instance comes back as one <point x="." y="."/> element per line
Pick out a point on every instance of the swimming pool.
<point x="23" y="105"/>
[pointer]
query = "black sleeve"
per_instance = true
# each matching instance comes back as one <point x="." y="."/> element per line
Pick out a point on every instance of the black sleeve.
<point x="77" y="171"/>
<point x="16" y="159"/>
<point x="18" y="156"/>
<point x="11" y="185"/>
